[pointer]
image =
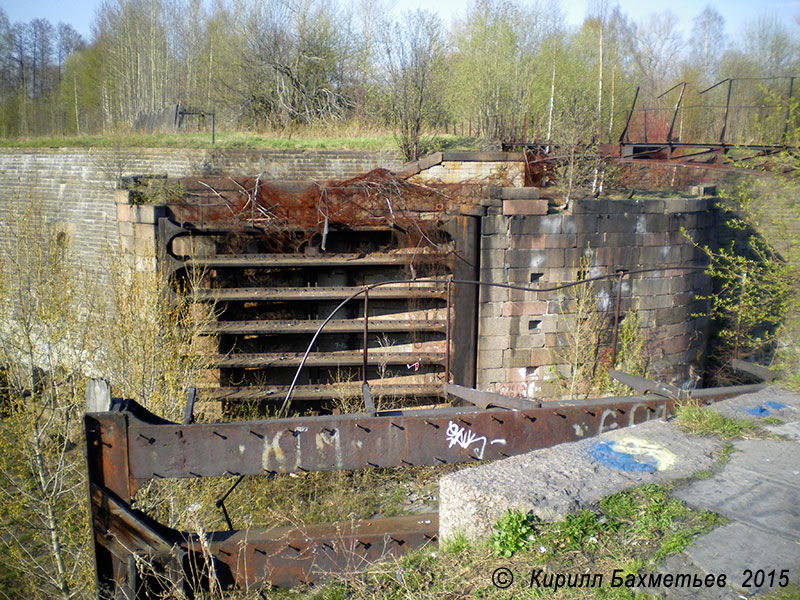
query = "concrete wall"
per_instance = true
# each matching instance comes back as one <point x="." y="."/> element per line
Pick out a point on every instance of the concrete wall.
<point x="76" y="186"/>
<point x="519" y="340"/>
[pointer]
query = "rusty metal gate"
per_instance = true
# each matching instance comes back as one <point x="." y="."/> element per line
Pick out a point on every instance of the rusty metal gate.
<point x="128" y="446"/>
<point x="275" y="272"/>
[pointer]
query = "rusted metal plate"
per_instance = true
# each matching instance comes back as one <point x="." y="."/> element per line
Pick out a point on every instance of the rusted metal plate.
<point x="119" y="529"/>
<point x="318" y="293"/>
<point x="131" y="445"/>
<point x="291" y="556"/>
<point x="372" y="259"/>
<point x="311" y="325"/>
<point x="335" y="442"/>
<point x="324" y="359"/>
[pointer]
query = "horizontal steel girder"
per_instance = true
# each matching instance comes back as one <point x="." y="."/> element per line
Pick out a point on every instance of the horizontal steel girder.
<point x="337" y="442"/>
<point x="129" y="445"/>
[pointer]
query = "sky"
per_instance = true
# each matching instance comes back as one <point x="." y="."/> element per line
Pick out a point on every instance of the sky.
<point x="80" y="13"/>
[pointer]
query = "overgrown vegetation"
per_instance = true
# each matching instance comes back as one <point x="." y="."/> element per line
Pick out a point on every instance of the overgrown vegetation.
<point x="633" y="530"/>
<point x="706" y="421"/>
<point x="755" y="302"/>
<point x="59" y="325"/>
<point x="288" y="66"/>
<point x="581" y="362"/>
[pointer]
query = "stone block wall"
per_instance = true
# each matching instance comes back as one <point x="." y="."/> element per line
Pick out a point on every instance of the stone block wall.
<point x="521" y="334"/>
<point x="138" y="231"/>
<point x="497" y="168"/>
<point x="75" y="187"/>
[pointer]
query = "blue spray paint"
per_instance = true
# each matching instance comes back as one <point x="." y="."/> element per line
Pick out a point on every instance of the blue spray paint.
<point x="775" y="405"/>
<point x="604" y="453"/>
<point x="757" y="411"/>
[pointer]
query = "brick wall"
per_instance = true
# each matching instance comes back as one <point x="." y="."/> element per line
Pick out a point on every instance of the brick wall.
<point x="520" y="333"/>
<point x="76" y="186"/>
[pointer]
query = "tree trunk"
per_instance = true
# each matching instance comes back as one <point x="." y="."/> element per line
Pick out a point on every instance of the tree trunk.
<point x="552" y="96"/>
<point x="51" y="522"/>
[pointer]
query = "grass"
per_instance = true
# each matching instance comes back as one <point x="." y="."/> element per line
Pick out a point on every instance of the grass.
<point x="293" y="498"/>
<point x="705" y="421"/>
<point x="310" y="140"/>
<point x="630" y="530"/>
<point x="790" y="592"/>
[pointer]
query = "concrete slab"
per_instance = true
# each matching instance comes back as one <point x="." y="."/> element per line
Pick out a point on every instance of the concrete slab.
<point x="774" y="401"/>
<point x="733" y="550"/>
<point x="552" y="482"/>
<point x="790" y="431"/>
<point x="760" y="486"/>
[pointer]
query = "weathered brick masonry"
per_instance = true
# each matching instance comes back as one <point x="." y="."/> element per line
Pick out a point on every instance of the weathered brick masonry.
<point x="519" y="340"/>
<point x="520" y="243"/>
<point x="75" y="186"/>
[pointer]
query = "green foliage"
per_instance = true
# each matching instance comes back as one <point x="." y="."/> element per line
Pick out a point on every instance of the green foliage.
<point x="582" y="360"/>
<point x="513" y="532"/>
<point x="705" y="421"/>
<point x="45" y="345"/>
<point x="576" y="532"/>
<point x="631" y="530"/>
<point x="755" y="288"/>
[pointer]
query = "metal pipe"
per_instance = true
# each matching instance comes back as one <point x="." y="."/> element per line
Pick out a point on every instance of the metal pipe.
<point x="727" y="109"/>
<point x="630" y="115"/>
<point x="366" y="332"/>
<point x="616" y="320"/>
<point x="447" y="337"/>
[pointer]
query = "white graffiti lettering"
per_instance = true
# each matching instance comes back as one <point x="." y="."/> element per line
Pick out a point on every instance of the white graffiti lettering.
<point x="465" y="438"/>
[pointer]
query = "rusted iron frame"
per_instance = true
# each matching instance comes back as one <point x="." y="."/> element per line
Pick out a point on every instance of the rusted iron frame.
<point x="129" y="445"/>
<point x="726" y="106"/>
<point x="630" y="116"/>
<point x="686" y="159"/>
<point x="677" y="107"/>
<point x="450" y="281"/>
<point x="447" y="332"/>
<point x="153" y="448"/>
<point x="178" y="561"/>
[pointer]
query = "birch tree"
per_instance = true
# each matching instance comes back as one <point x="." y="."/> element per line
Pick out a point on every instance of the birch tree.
<point x="413" y="54"/>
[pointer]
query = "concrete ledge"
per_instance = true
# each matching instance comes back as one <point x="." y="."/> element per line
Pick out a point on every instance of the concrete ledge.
<point x="513" y="193"/>
<point x="481" y="156"/>
<point x="552" y="482"/>
<point x="524" y="207"/>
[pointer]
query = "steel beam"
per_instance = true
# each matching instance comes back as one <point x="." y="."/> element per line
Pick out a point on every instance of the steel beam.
<point x="129" y="446"/>
<point x="312" y="294"/>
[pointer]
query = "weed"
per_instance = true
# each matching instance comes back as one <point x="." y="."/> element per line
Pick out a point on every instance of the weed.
<point x="514" y="532"/>
<point x="707" y="474"/>
<point x="616" y="536"/>
<point x="705" y="421"/>
<point x="790" y="592"/>
<point x="725" y="453"/>
<point x="456" y="545"/>
<point x="771" y="421"/>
